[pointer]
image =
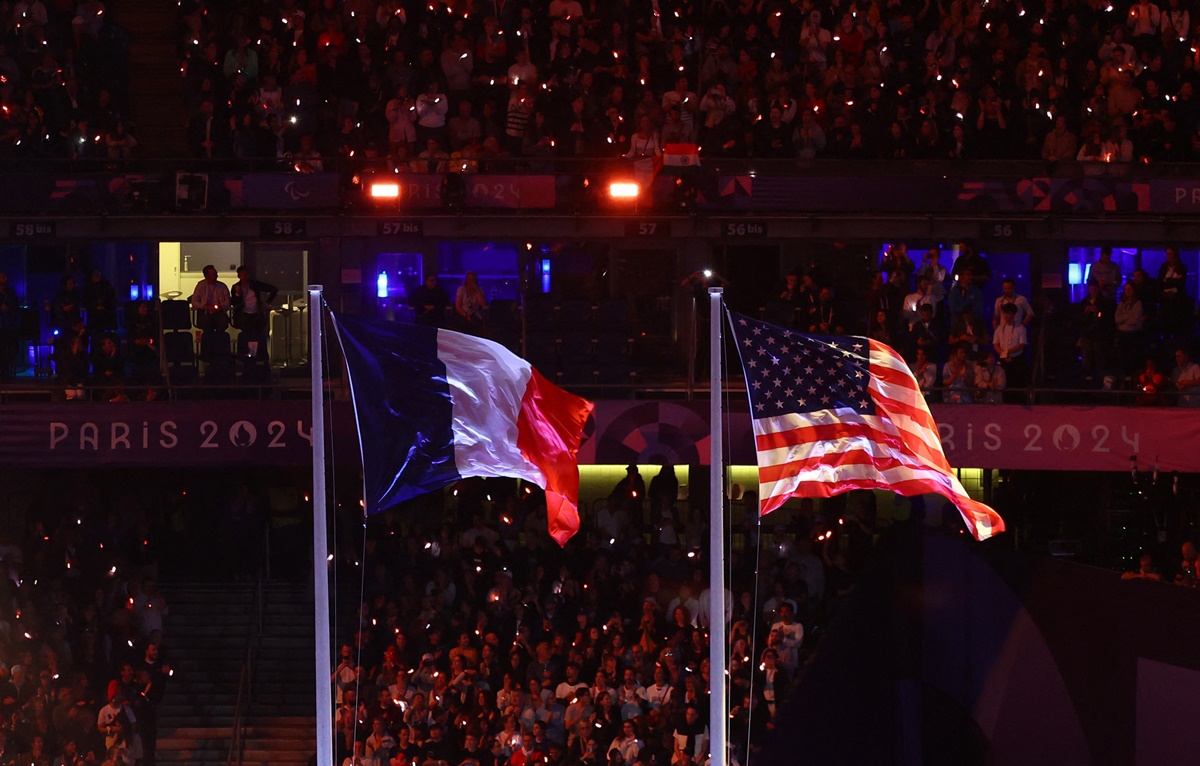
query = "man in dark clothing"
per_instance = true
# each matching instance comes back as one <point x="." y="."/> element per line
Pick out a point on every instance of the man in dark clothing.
<point x="251" y="303"/>
<point x="100" y="299"/>
<point x="429" y="302"/>
<point x="436" y="750"/>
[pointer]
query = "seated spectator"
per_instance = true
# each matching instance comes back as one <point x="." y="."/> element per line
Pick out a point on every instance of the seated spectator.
<point x="626" y="746"/>
<point x="989" y="379"/>
<point x="958" y="378"/>
<point x="108" y="369"/>
<point x="924" y="371"/>
<point x="250" y="302"/>
<point x="1145" y="570"/>
<point x="1149" y="384"/>
<point x="211" y="302"/>
<point x="690" y="739"/>
<point x="71" y="366"/>
<point x="1186" y="379"/>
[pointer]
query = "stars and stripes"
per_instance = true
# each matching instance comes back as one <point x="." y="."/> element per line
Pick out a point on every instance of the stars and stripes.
<point x="832" y="414"/>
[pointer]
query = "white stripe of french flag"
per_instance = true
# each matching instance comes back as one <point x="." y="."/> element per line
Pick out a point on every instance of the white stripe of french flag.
<point x="508" y="420"/>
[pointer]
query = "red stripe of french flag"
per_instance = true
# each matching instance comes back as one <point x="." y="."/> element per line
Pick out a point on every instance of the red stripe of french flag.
<point x="549" y="432"/>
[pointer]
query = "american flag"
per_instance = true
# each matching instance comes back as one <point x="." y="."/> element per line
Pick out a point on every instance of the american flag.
<point x="832" y="414"/>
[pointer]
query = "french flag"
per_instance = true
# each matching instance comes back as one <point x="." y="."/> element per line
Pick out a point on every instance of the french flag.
<point x="435" y="406"/>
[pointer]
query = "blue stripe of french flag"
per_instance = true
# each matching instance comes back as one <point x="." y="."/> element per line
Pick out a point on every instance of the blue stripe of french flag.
<point x="434" y="406"/>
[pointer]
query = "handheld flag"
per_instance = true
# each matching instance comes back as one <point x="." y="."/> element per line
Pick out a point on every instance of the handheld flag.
<point x="832" y="414"/>
<point x="434" y="406"/>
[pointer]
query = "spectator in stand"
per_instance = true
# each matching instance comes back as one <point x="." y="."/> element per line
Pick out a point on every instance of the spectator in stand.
<point x="965" y="295"/>
<point x="989" y="379"/>
<point x="100" y="301"/>
<point x="1060" y="143"/>
<point x="1175" y="307"/>
<point x="250" y="303"/>
<point x="1008" y="295"/>
<point x="1096" y="328"/>
<point x="1010" y="342"/>
<point x="67" y="308"/>
<point x="1130" y="322"/>
<point x="1106" y="273"/>
<point x="958" y="377"/>
<point x="1186" y="379"/>
<point x="211" y="302"/>
<point x="924" y="371"/>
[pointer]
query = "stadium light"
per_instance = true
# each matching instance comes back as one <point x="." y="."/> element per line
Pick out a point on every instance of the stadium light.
<point x="623" y="190"/>
<point x="384" y="190"/>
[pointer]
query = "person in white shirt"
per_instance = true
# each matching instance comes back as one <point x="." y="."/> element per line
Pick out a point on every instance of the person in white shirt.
<point x="1009" y="295"/>
<point x="1010" y="341"/>
<point x="627" y="743"/>
<point x="570" y="688"/>
<point x="913" y="301"/>
<point x="1186" y="378"/>
<point x="815" y="40"/>
<point x="1144" y="19"/>
<point x="522" y="71"/>
<point x="150" y="608"/>
<point x="644" y="143"/>
<point x="690" y="739"/>
<point x="688" y="105"/>
<point x="791" y="633"/>
<point x="211" y="301"/>
<point x="431" y="112"/>
<point x="658" y="693"/>
<point x="402" y="116"/>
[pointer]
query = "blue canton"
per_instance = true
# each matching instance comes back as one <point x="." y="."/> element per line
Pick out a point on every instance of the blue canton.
<point x="791" y="373"/>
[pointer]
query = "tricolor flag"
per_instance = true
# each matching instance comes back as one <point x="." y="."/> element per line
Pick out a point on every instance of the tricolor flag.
<point x="832" y="414"/>
<point x="681" y="156"/>
<point x="435" y="406"/>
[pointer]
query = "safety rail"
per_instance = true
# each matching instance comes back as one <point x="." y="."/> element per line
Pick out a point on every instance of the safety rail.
<point x="245" y="693"/>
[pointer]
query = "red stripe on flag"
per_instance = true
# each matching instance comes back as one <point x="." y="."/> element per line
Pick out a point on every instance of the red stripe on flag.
<point x="549" y="432"/>
<point x="849" y="429"/>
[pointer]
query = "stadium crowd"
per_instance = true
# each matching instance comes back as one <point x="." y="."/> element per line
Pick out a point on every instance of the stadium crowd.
<point x="63" y="81"/>
<point x="481" y="642"/>
<point x="81" y="641"/>
<point x="423" y="81"/>
<point x="1129" y="332"/>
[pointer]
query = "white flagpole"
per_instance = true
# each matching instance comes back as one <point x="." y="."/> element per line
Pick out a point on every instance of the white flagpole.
<point x="323" y="667"/>
<point x="717" y="721"/>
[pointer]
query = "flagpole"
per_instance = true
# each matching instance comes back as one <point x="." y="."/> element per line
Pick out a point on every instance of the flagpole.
<point x="323" y="667"/>
<point x="717" y="725"/>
